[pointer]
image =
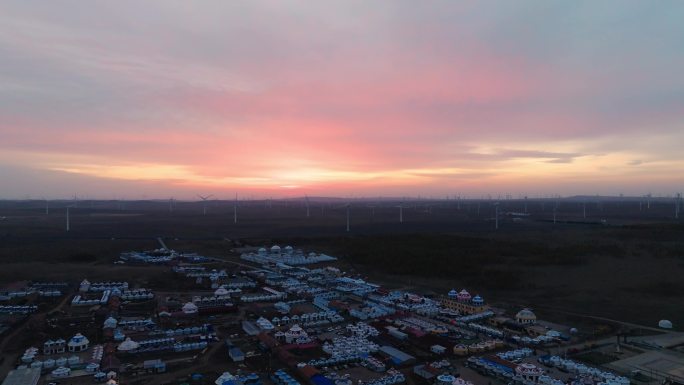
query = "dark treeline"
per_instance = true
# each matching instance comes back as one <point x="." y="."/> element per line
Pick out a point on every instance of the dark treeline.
<point x="497" y="260"/>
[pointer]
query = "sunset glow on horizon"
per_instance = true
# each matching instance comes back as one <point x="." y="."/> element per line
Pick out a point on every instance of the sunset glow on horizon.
<point x="340" y="98"/>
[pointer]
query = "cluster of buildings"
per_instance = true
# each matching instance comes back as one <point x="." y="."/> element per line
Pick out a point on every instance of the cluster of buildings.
<point x="287" y="255"/>
<point x="386" y="332"/>
<point x="294" y="318"/>
<point x="161" y="256"/>
<point x="27" y="289"/>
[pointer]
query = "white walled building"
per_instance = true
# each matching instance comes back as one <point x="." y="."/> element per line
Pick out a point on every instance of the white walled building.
<point x="78" y="343"/>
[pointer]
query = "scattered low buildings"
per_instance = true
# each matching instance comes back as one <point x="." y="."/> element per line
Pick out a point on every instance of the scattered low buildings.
<point x="287" y="256"/>
<point x="307" y="322"/>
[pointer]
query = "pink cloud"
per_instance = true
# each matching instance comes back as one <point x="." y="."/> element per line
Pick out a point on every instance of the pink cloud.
<point x="384" y="97"/>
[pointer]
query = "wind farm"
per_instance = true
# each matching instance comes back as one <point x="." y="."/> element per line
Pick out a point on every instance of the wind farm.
<point x="328" y="215"/>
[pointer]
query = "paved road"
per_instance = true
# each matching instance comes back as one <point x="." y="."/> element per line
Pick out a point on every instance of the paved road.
<point x="629" y="324"/>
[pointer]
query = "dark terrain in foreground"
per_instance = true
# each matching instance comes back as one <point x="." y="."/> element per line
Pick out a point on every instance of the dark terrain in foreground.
<point x="624" y="261"/>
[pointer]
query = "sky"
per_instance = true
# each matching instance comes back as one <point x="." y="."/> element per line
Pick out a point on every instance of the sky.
<point x="174" y="98"/>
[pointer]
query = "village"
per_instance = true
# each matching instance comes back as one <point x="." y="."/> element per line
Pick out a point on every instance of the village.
<point x="283" y="316"/>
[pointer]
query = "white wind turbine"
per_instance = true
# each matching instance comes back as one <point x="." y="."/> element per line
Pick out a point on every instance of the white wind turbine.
<point x="678" y="198"/>
<point x="372" y="207"/>
<point x="204" y="201"/>
<point x="308" y="212"/>
<point x="496" y="215"/>
<point x="235" y="208"/>
<point x="347" y="208"/>
<point x="68" y="222"/>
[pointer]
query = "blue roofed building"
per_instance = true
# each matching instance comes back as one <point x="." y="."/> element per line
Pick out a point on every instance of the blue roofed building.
<point x="396" y="356"/>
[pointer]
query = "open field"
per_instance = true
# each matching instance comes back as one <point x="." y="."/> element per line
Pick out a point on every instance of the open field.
<point x="624" y="261"/>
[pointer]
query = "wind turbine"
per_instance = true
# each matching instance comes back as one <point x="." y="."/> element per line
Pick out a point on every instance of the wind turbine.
<point x="401" y="212"/>
<point x="372" y="208"/>
<point x="306" y="199"/>
<point x="171" y="201"/>
<point x="348" y="217"/>
<point x="204" y="199"/>
<point x="68" y="223"/>
<point x="47" y="206"/>
<point x="678" y="197"/>
<point x="235" y="209"/>
<point x="496" y="215"/>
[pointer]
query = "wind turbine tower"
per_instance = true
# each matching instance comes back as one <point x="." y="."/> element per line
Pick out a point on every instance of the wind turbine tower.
<point x="235" y="209"/>
<point x="496" y="216"/>
<point x="308" y="212"/>
<point x="68" y="222"/>
<point x="372" y="207"/>
<point x="347" y="217"/>
<point x="677" y="200"/>
<point x="401" y="213"/>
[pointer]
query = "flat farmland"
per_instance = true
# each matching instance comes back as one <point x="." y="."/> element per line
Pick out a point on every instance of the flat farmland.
<point x="621" y="260"/>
